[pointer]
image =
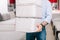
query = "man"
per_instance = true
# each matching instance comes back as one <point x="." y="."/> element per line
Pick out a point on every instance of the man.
<point x="46" y="18"/>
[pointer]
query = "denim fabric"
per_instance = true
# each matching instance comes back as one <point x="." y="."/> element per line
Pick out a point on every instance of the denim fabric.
<point x="38" y="35"/>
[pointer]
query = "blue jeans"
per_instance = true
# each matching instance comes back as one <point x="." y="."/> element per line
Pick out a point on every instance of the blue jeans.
<point x="38" y="35"/>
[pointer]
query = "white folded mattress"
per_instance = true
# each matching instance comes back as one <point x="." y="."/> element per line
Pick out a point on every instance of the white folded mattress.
<point x="29" y="8"/>
<point x="28" y="11"/>
<point x="20" y="24"/>
<point x="38" y="2"/>
<point x="27" y="24"/>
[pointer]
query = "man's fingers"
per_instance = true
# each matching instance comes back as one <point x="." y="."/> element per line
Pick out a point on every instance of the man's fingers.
<point x="39" y="28"/>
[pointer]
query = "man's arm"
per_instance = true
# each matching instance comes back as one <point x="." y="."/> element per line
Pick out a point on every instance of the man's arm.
<point x="47" y="18"/>
<point x="48" y="14"/>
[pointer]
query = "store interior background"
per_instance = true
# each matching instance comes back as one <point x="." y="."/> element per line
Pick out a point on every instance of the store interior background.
<point x="8" y="32"/>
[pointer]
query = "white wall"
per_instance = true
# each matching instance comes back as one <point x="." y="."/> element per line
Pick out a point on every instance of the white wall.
<point x="3" y="6"/>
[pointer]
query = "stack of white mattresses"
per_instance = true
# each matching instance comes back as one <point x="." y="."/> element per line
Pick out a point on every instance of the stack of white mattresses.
<point x="29" y="14"/>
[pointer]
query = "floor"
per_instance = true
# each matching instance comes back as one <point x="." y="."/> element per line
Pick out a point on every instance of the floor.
<point x="50" y="35"/>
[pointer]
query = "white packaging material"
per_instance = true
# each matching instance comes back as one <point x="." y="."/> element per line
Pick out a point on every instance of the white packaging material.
<point x="29" y="11"/>
<point x="38" y="2"/>
<point x="3" y="6"/>
<point x="27" y="24"/>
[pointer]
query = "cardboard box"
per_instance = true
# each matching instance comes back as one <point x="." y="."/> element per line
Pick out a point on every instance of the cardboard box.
<point x="27" y="24"/>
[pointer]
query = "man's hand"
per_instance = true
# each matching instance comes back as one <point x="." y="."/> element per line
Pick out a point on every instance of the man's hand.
<point x="39" y="28"/>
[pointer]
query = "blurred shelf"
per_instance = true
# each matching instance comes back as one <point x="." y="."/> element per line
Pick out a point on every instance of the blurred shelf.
<point x="55" y="11"/>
